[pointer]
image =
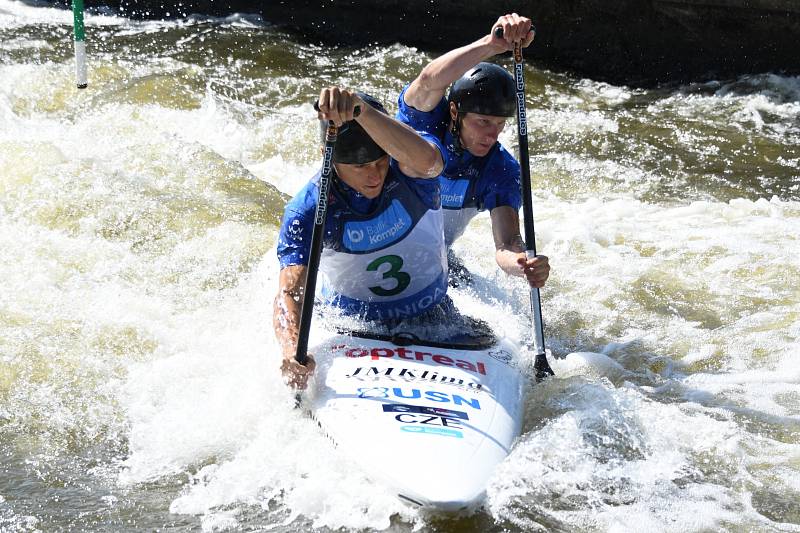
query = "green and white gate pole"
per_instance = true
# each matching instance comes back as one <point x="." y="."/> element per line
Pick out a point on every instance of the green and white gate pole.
<point x="80" y="44"/>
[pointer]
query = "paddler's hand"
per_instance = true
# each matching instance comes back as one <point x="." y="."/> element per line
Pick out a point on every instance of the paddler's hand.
<point x="515" y="28"/>
<point x="296" y="375"/>
<point x="536" y="270"/>
<point x="338" y="105"/>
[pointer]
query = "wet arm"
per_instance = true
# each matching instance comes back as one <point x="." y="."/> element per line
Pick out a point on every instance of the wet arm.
<point x="510" y="248"/>
<point x="427" y="90"/>
<point x="288" y="307"/>
<point x="417" y="157"/>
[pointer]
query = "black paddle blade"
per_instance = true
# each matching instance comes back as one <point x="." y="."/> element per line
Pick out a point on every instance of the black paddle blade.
<point x="542" y="368"/>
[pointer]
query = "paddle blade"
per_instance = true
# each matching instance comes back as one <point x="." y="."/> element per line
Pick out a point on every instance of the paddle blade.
<point x="542" y="368"/>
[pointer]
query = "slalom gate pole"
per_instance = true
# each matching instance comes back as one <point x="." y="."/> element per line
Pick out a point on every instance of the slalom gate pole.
<point x="80" y="44"/>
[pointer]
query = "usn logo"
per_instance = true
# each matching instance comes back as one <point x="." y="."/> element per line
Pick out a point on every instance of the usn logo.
<point x="412" y="394"/>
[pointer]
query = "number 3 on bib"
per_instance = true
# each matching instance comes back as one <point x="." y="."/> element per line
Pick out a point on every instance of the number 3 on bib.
<point x="395" y="264"/>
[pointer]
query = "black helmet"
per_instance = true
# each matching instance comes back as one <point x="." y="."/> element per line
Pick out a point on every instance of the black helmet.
<point x="487" y="89"/>
<point x="354" y="146"/>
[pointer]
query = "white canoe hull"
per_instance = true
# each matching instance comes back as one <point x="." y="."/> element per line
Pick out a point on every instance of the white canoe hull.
<point x="432" y="423"/>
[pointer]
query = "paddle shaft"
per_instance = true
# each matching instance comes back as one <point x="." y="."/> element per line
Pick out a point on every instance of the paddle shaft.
<point x="317" y="235"/>
<point x="541" y="365"/>
<point x="80" y="44"/>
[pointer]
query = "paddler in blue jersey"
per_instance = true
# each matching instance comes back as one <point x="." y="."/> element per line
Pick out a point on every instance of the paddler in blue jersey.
<point x="480" y="175"/>
<point x="384" y="257"/>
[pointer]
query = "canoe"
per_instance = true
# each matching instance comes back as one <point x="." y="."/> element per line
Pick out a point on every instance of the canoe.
<point x="430" y="420"/>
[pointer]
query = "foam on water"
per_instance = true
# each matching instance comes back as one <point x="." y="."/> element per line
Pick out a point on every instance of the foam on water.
<point x="766" y="104"/>
<point x="695" y="304"/>
<point x="630" y="461"/>
<point x="718" y="140"/>
<point x="214" y="405"/>
<point x="137" y="220"/>
<point x="15" y="14"/>
<point x="11" y="523"/>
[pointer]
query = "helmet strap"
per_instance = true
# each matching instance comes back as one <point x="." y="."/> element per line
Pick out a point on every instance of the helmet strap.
<point x="455" y="131"/>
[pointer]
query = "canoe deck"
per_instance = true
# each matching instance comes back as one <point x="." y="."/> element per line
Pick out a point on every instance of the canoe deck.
<point x="430" y="420"/>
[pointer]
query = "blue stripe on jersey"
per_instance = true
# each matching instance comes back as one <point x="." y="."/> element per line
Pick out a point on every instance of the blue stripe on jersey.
<point x="453" y="193"/>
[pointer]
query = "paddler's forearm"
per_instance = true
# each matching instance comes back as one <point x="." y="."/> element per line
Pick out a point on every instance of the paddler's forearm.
<point x="427" y="90"/>
<point x="287" y="309"/>
<point x="514" y="261"/>
<point x="286" y="323"/>
<point x="508" y="242"/>
<point x="416" y="156"/>
<point x="507" y="259"/>
<point x="444" y="70"/>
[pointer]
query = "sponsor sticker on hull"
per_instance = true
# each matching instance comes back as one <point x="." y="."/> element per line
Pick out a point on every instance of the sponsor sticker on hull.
<point x="444" y="432"/>
<point x="425" y="419"/>
<point x="417" y="394"/>
<point x="401" y="353"/>
<point x="423" y="410"/>
<point x="373" y="373"/>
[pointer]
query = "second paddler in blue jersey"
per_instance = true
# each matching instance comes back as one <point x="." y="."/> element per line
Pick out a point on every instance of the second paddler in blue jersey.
<point x="481" y="174"/>
<point x="384" y="256"/>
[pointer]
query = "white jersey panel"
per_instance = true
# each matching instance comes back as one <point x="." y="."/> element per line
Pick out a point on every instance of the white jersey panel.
<point x="455" y="222"/>
<point x="403" y="270"/>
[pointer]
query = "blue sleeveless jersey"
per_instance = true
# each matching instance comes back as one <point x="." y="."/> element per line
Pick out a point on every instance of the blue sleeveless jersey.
<point x="382" y="259"/>
<point x="469" y="184"/>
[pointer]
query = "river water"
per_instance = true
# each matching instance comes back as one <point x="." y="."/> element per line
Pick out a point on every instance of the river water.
<point x="138" y="382"/>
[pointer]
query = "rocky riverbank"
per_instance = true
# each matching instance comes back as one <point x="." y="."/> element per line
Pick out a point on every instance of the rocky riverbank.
<point x="635" y="42"/>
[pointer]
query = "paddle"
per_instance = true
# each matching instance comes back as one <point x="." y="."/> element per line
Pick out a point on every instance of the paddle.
<point x="80" y="44"/>
<point x="317" y="233"/>
<point x="307" y="310"/>
<point x="541" y="366"/>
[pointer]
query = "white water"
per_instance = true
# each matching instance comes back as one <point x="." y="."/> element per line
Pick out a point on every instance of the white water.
<point x="138" y="368"/>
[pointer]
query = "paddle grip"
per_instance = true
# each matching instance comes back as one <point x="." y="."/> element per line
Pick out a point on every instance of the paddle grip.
<point x="356" y="109"/>
<point x="498" y="31"/>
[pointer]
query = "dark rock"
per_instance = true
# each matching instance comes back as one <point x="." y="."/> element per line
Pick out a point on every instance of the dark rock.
<point x="635" y="42"/>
